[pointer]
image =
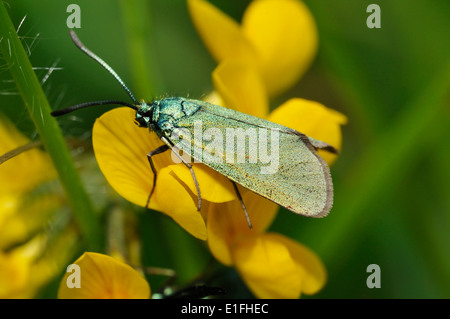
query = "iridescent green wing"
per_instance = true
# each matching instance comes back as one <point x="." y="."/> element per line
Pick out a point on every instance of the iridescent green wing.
<point x="296" y="178"/>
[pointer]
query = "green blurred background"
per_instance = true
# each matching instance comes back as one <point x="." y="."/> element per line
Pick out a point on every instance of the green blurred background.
<point x="392" y="180"/>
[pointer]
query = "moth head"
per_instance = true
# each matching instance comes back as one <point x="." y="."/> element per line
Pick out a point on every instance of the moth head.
<point x="144" y="114"/>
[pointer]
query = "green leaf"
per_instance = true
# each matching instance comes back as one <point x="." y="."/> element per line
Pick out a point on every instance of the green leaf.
<point x="39" y="110"/>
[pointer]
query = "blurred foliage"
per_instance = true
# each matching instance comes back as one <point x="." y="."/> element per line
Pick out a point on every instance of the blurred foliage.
<point x="392" y="179"/>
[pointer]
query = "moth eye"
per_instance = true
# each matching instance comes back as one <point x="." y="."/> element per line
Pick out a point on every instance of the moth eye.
<point x="140" y="121"/>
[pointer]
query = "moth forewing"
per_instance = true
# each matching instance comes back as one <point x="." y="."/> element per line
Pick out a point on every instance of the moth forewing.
<point x="297" y="178"/>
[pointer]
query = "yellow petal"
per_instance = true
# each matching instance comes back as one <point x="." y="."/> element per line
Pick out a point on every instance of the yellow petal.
<point x="27" y="267"/>
<point x="214" y="98"/>
<point x="284" y="35"/>
<point x="220" y="34"/>
<point x="241" y="88"/>
<point x="227" y="222"/>
<point x="219" y="240"/>
<point x="26" y="170"/>
<point x="14" y="274"/>
<point x="274" y="266"/>
<point x="214" y="187"/>
<point x="9" y="205"/>
<point x="179" y="203"/>
<point x="103" y="277"/>
<point x="313" y="119"/>
<point x="121" y="149"/>
<point x="314" y="272"/>
<point x="267" y="267"/>
<point x="21" y="218"/>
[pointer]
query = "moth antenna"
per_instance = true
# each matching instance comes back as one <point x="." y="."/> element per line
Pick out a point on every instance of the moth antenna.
<point x="88" y="104"/>
<point x="100" y="61"/>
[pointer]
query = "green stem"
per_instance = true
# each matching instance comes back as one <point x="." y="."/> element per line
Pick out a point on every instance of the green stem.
<point x="39" y="109"/>
<point x="11" y="154"/>
<point x="139" y="36"/>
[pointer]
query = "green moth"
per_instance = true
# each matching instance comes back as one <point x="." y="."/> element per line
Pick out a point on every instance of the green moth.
<point x="284" y="168"/>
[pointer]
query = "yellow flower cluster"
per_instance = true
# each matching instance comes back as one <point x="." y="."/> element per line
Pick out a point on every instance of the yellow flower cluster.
<point x="27" y="260"/>
<point x="257" y="60"/>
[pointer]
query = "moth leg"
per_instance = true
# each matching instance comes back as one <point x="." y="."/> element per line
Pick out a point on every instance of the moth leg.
<point x="188" y="165"/>
<point x="242" y="203"/>
<point x="159" y="150"/>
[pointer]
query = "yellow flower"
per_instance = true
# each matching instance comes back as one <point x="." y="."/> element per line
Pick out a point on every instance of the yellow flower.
<point x="24" y="172"/>
<point x="272" y="265"/>
<point x="25" y="269"/>
<point x="14" y="273"/>
<point x="103" y="277"/>
<point x="278" y="37"/>
<point x="26" y="260"/>
<point x="255" y="58"/>
<point x="18" y="177"/>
